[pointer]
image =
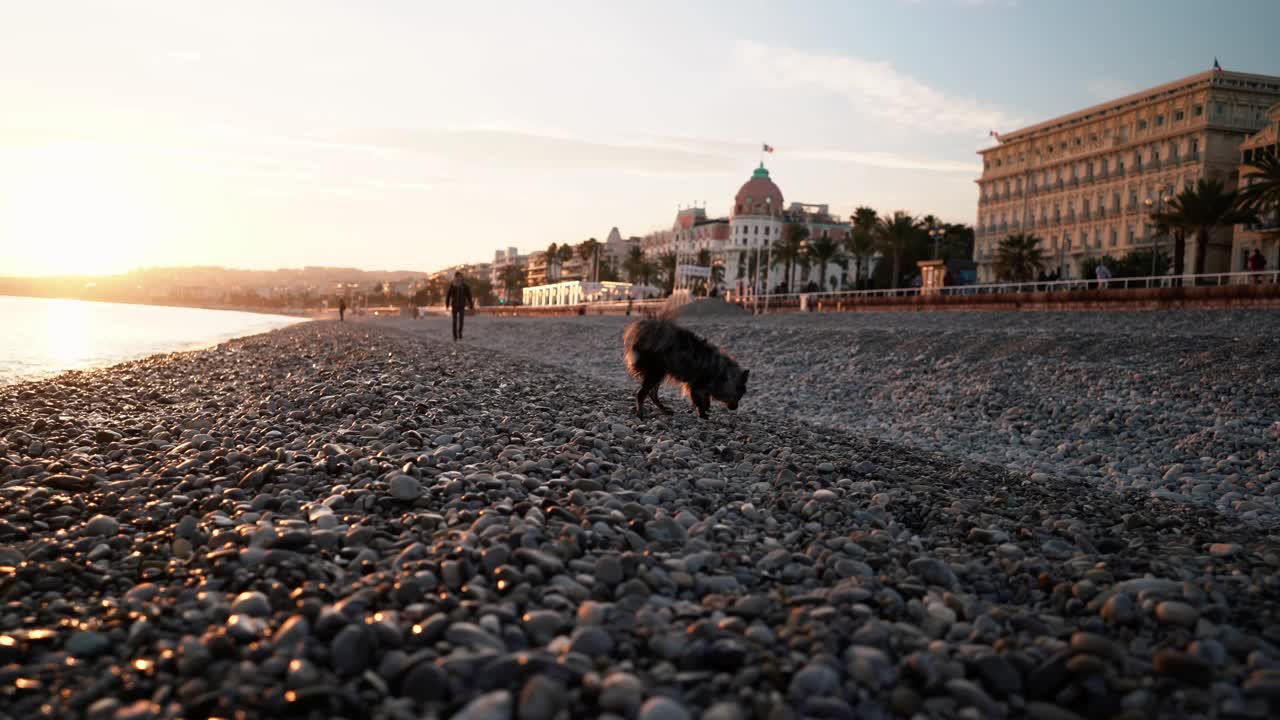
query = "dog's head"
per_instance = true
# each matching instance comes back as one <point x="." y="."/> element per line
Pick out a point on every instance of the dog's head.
<point x="731" y="387"/>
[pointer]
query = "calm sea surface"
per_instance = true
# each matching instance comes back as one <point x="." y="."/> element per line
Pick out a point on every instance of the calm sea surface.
<point x="42" y="337"/>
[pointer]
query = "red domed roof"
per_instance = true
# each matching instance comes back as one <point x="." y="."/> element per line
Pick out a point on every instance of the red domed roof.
<point x="758" y="196"/>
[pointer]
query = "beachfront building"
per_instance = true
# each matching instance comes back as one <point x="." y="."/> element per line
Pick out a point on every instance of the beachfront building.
<point x="1080" y="182"/>
<point x="503" y="259"/>
<point x="755" y="222"/>
<point x="576" y="292"/>
<point x="821" y="224"/>
<point x="1264" y="235"/>
<point x="616" y="249"/>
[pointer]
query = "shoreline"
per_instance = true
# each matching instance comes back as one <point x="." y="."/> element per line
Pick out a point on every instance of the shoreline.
<point x="345" y="519"/>
<point x="303" y="313"/>
<point x="15" y="377"/>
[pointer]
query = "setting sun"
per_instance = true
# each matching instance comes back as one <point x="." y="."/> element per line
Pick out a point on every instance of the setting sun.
<point x="74" y="209"/>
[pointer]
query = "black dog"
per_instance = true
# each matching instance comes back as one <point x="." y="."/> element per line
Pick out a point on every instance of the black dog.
<point x="658" y="348"/>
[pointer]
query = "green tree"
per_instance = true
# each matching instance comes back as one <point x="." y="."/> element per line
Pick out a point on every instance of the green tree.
<point x="1200" y="211"/>
<point x="665" y="268"/>
<point x="861" y="243"/>
<point x="958" y="242"/>
<point x="824" y="251"/>
<point x="588" y="252"/>
<point x="789" y="249"/>
<point x="894" y="235"/>
<point x="637" y="266"/>
<point x="1019" y="257"/>
<point x="512" y="280"/>
<point x="1262" y="190"/>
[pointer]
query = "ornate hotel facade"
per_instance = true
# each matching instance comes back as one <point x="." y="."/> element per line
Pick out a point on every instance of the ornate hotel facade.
<point x="741" y="244"/>
<point x="1081" y="182"/>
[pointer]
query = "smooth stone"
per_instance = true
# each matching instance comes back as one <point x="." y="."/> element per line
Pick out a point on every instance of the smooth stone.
<point x="541" y="699"/>
<point x="1119" y="609"/>
<point x="998" y="675"/>
<point x="591" y="641"/>
<point x="1184" y="667"/>
<point x="621" y="692"/>
<point x="1172" y="612"/>
<point x="102" y="525"/>
<point x="87" y="644"/>
<point x="350" y="650"/>
<point x="496" y="705"/>
<point x="814" y="679"/>
<point x="661" y="708"/>
<point x="251" y="603"/>
<point x="933" y="571"/>
<point x="405" y="488"/>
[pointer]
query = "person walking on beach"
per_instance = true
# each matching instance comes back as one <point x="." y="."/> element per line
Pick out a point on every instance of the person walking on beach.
<point x="1103" y="273"/>
<point x="458" y="299"/>
<point x="1257" y="264"/>
<point x="342" y="310"/>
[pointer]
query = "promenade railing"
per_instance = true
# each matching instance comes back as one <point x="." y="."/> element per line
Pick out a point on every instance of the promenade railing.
<point x="764" y="301"/>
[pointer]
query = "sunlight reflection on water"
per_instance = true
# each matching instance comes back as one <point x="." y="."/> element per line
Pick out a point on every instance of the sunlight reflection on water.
<point x="44" y="336"/>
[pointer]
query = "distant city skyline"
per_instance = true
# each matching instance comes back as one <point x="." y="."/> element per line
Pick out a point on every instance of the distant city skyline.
<point x="419" y="135"/>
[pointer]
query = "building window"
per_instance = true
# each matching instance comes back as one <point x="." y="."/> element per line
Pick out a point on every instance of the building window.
<point x="1142" y="124"/>
<point x="1159" y="120"/>
<point x="766" y="230"/>
<point x="1198" y="110"/>
<point x="1177" y="117"/>
<point x="1114" y="235"/>
<point x="1130" y="234"/>
<point x="1195" y="145"/>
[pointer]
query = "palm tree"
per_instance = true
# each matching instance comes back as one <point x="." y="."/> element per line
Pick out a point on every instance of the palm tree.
<point x="789" y="248"/>
<point x="588" y="252"/>
<point x="1263" y="190"/>
<point x="861" y="242"/>
<point x="666" y="268"/>
<point x="1202" y="210"/>
<point x="566" y="254"/>
<point x="552" y="254"/>
<point x="894" y="234"/>
<point x="824" y="250"/>
<point x="636" y="266"/>
<point x="1019" y="257"/>
<point x="512" y="278"/>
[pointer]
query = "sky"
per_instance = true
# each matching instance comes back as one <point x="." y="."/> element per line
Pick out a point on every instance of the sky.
<point x="415" y="135"/>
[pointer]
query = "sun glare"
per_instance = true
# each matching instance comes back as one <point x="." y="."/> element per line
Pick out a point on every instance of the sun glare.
<point x="74" y="209"/>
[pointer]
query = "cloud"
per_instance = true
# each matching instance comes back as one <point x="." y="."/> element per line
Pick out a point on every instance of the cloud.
<point x="890" y="161"/>
<point x="870" y="86"/>
<point x="514" y="150"/>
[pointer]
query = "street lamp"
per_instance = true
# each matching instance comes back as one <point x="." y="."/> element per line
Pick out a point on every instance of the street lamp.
<point x="1155" y="208"/>
<point x="804" y="250"/>
<point x="937" y="234"/>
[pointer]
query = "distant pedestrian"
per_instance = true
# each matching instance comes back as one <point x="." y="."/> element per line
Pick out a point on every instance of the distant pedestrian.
<point x="1103" y="273"/>
<point x="458" y="299"/>
<point x="1257" y="264"/>
<point x="342" y="310"/>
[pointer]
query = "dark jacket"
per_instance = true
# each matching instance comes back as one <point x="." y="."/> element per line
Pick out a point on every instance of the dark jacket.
<point x="459" y="297"/>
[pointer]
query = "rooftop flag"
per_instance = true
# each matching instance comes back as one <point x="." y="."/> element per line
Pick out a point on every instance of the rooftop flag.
<point x="1216" y="67"/>
<point x="767" y="148"/>
<point x="996" y="135"/>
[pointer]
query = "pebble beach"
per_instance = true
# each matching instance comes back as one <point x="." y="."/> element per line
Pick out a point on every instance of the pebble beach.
<point x="965" y="516"/>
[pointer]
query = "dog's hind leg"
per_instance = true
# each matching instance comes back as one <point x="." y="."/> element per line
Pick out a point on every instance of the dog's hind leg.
<point x="653" y="395"/>
<point x="640" y="395"/>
